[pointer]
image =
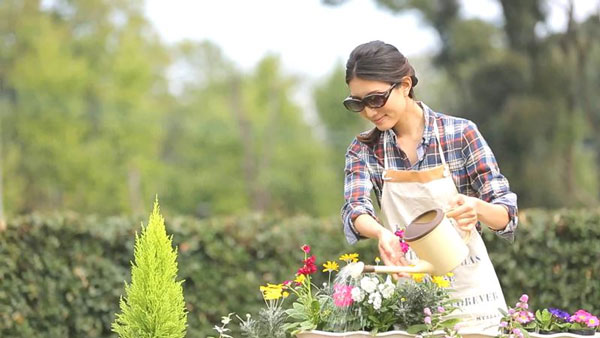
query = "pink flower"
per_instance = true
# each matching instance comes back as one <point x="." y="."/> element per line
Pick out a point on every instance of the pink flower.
<point x="427" y="311"/>
<point x="503" y="324"/>
<point x="524" y="298"/>
<point x="592" y="321"/>
<point x="511" y="311"/>
<point x="427" y="320"/>
<point x="440" y="309"/>
<point x="399" y="233"/>
<point x="524" y="317"/>
<point x="517" y="332"/>
<point x="306" y="248"/>
<point x="342" y="295"/>
<point x="404" y="247"/>
<point x="581" y="316"/>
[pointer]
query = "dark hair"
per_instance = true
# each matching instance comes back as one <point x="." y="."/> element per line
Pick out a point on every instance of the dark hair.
<point x="379" y="61"/>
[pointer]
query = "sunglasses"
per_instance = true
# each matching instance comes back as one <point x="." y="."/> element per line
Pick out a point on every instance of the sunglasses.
<point x="376" y="100"/>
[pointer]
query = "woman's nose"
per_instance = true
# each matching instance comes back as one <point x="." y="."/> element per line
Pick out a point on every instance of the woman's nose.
<point x="369" y="112"/>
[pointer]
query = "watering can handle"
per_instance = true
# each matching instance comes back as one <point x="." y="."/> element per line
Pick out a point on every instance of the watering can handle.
<point x="466" y="237"/>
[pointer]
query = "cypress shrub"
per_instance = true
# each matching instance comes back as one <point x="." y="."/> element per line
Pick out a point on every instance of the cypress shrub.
<point x="153" y="306"/>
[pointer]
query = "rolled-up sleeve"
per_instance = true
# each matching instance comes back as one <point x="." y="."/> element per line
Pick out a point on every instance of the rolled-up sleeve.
<point x="486" y="178"/>
<point x="357" y="191"/>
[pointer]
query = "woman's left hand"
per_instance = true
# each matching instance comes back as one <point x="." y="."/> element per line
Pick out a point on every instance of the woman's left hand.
<point x="464" y="211"/>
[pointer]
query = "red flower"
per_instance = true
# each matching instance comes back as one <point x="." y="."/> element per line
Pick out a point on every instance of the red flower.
<point x="306" y="248"/>
<point x="309" y="266"/>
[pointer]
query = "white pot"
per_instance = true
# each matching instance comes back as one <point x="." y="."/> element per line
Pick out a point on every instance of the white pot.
<point x="403" y="334"/>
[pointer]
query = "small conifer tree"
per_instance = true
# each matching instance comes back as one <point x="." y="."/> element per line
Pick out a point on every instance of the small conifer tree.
<point x="153" y="305"/>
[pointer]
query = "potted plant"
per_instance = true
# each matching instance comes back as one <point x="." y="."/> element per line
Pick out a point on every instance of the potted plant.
<point x="518" y="321"/>
<point x="369" y="305"/>
<point x="583" y="323"/>
<point x="548" y="321"/>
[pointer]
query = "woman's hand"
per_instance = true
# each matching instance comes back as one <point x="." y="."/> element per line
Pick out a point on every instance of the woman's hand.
<point x="390" y="251"/>
<point x="464" y="211"/>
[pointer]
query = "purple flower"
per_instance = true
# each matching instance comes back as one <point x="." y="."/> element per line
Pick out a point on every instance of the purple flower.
<point x="440" y="309"/>
<point x="427" y="312"/>
<point x="503" y="324"/>
<point x="427" y="320"/>
<point x="560" y="314"/>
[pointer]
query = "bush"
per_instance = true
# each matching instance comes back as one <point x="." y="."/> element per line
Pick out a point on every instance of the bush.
<point x="62" y="275"/>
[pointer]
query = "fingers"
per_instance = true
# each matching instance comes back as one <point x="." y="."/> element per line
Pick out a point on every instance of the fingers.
<point x="467" y="224"/>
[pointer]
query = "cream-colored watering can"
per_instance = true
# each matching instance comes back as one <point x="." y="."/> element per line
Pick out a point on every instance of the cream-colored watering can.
<point x="436" y="242"/>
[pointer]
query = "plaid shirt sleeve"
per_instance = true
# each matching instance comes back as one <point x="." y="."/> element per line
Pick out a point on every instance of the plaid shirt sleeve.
<point x="486" y="178"/>
<point x="357" y="191"/>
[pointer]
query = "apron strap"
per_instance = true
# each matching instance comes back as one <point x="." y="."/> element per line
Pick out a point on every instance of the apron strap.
<point x="438" y="139"/>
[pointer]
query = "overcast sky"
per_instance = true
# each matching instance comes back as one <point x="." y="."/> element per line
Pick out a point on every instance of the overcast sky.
<point x="308" y="36"/>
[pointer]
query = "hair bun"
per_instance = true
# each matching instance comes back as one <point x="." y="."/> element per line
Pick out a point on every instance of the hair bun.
<point x="414" y="80"/>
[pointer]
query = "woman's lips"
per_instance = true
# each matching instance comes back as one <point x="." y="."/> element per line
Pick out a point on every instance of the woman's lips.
<point x="379" y="120"/>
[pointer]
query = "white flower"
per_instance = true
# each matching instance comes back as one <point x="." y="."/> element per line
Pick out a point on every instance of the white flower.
<point x="387" y="290"/>
<point x="375" y="299"/>
<point x="357" y="295"/>
<point x="369" y="284"/>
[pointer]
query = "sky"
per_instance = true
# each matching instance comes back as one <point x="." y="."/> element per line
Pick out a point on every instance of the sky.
<point x="310" y="37"/>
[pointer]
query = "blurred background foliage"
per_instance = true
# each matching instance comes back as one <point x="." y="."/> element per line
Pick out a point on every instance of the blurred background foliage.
<point x="89" y="120"/>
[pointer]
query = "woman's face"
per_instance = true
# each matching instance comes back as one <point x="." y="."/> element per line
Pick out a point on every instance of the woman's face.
<point x="390" y="114"/>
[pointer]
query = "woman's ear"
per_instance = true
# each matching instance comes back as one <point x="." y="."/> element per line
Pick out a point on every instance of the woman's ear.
<point x="406" y="84"/>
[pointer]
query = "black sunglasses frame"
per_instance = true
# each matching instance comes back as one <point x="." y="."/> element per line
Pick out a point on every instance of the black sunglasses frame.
<point x="352" y="104"/>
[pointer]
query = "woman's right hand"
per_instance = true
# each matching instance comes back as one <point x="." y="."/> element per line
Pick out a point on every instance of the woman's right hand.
<point x="390" y="251"/>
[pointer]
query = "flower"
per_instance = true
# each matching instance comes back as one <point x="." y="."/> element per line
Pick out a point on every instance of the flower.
<point x="592" y="321"/>
<point x="524" y="298"/>
<point x="369" y="284"/>
<point x="309" y="266"/>
<point x="306" y="249"/>
<point x="300" y="279"/>
<point x="441" y="281"/>
<point x="272" y="291"/>
<point x="440" y="309"/>
<point x="377" y="260"/>
<point x="417" y="277"/>
<point x="387" y="289"/>
<point x="560" y="314"/>
<point x="353" y="257"/>
<point x="375" y="300"/>
<point x="342" y="297"/>
<point x="357" y="295"/>
<point x="427" y="320"/>
<point x="427" y="311"/>
<point x="331" y="266"/>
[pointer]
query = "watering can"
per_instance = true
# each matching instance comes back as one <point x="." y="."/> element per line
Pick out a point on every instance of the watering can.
<point x="436" y="242"/>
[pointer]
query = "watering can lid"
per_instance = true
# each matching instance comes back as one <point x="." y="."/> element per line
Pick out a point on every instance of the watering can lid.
<point x="423" y="224"/>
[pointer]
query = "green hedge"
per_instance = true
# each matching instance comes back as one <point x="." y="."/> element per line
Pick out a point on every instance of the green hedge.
<point x="62" y="275"/>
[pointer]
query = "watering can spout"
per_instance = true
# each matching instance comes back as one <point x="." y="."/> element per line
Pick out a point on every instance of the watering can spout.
<point x="421" y="267"/>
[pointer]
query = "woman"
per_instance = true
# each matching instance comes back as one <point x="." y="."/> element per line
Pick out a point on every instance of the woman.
<point x="457" y="169"/>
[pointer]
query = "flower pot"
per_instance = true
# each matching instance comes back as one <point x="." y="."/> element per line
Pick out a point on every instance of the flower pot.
<point x="583" y="332"/>
<point x="353" y="334"/>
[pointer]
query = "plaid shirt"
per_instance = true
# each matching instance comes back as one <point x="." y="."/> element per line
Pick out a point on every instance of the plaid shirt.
<point x="473" y="166"/>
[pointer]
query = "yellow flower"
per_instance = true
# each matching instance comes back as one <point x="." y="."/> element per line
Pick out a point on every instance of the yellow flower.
<point x="417" y="277"/>
<point x="353" y="257"/>
<point x="300" y="279"/>
<point x="441" y="281"/>
<point x="331" y="266"/>
<point x="403" y="299"/>
<point x="450" y="274"/>
<point x="272" y="291"/>
<point x="285" y="294"/>
<point x="377" y="260"/>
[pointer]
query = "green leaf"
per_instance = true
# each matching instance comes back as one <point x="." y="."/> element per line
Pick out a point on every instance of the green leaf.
<point x="417" y="328"/>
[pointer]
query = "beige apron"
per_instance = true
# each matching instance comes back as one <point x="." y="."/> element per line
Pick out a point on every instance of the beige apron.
<point x="406" y="195"/>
